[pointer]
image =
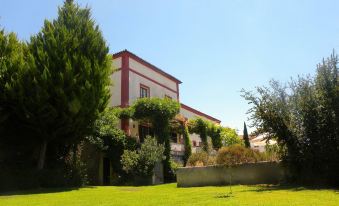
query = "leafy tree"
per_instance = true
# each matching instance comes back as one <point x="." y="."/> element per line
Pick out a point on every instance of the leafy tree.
<point x="187" y="143"/>
<point x="303" y="116"/>
<point x="109" y="139"/>
<point x="246" y="138"/>
<point x="69" y="85"/>
<point x="142" y="162"/>
<point x="229" y="137"/>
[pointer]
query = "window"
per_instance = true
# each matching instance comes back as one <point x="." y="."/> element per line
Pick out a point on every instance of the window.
<point x="145" y="131"/>
<point x="194" y="143"/>
<point x="174" y="137"/>
<point x="144" y="91"/>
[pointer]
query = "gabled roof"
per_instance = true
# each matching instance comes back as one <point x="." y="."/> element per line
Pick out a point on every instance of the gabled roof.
<point x="146" y="63"/>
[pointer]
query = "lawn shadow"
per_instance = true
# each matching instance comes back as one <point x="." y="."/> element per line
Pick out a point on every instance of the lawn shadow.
<point x="294" y="188"/>
<point x="224" y="196"/>
<point x="42" y="191"/>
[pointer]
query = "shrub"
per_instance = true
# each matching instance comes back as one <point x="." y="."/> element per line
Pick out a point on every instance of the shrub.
<point x="198" y="159"/>
<point x="174" y="167"/>
<point x="237" y="154"/>
<point x="142" y="162"/>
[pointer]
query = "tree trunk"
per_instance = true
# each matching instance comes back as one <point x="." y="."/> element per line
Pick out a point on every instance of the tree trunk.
<point x="41" y="161"/>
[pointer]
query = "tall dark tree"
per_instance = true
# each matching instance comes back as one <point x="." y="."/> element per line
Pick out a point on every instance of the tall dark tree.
<point x="12" y="68"/>
<point x="187" y="143"/>
<point x="68" y="85"/>
<point x="246" y="138"/>
<point x="15" y="62"/>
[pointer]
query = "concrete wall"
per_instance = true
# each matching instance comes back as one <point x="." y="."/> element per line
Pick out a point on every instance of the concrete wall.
<point x="251" y="173"/>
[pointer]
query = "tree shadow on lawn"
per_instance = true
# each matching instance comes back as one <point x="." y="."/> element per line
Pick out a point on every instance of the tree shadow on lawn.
<point x="294" y="188"/>
<point x="42" y="191"/>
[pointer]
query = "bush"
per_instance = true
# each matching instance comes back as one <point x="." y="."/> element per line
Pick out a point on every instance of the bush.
<point x="200" y="159"/>
<point x="141" y="163"/>
<point x="237" y="154"/>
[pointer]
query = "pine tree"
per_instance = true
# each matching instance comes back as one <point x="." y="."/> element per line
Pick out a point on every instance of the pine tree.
<point x="246" y="138"/>
<point x="70" y="82"/>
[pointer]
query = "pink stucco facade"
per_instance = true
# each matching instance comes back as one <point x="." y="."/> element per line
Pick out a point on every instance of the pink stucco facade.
<point x="131" y="74"/>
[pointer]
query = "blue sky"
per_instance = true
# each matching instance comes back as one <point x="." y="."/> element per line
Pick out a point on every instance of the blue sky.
<point x="215" y="48"/>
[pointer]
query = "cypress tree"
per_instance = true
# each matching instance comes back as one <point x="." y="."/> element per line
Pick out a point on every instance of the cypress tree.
<point x="70" y="81"/>
<point x="187" y="143"/>
<point x="246" y="138"/>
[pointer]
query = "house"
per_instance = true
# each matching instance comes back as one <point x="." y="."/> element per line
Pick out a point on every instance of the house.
<point x="259" y="142"/>
<point x="136" y="78"/>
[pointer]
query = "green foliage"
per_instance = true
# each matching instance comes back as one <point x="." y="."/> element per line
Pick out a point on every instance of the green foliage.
<point x="237" y="154"/>
<point x="15" y="62"/>
<point x="124" y="113"/>
<point x="200" y="126"/>
<point x="174" y="166"/>
<point x="230" y="137"/>
<point x="162" y="109"/>
<point x="187" y="144"/>
<point x="109" y="139"/>
<point x="304" y="117"/>
<point x="142" y="162"/>
<point x="51" y="92"/>
<point x="214" y="131"/>
<point x="198" y="159"/>
<point x="246" y="138"/>
<point x="56" y="87"/>
<point x="220" y="136"/>
<point x="159" y="112"/>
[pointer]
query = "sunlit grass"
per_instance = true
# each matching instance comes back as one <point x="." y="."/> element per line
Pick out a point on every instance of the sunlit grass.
<point x="169" y="194"/>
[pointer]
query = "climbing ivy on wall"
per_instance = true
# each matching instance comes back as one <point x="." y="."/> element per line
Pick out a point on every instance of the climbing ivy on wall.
<point x="200" y="126"/>
<point x="159" y="112"/>
<point x="205" y="129"/>
<point x="214" y="131"/>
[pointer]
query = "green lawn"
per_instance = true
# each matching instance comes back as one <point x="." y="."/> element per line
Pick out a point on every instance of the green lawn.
<point x="169" y="194"/>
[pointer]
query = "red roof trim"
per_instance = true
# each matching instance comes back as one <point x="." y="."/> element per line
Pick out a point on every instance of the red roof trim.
<point x="199" y="113"/>
<point x="152" y="80"/>
<point x="147" y="64"/>
<point x="124" y="80"/>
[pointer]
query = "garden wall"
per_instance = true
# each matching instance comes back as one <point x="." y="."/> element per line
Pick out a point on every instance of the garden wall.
<point x="249" y="173"/>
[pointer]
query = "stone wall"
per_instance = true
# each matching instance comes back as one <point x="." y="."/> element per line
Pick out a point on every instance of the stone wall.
<point x="250" y="173"/>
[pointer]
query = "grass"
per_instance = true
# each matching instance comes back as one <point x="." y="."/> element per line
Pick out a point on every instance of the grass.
<point x="169" y="194"/>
